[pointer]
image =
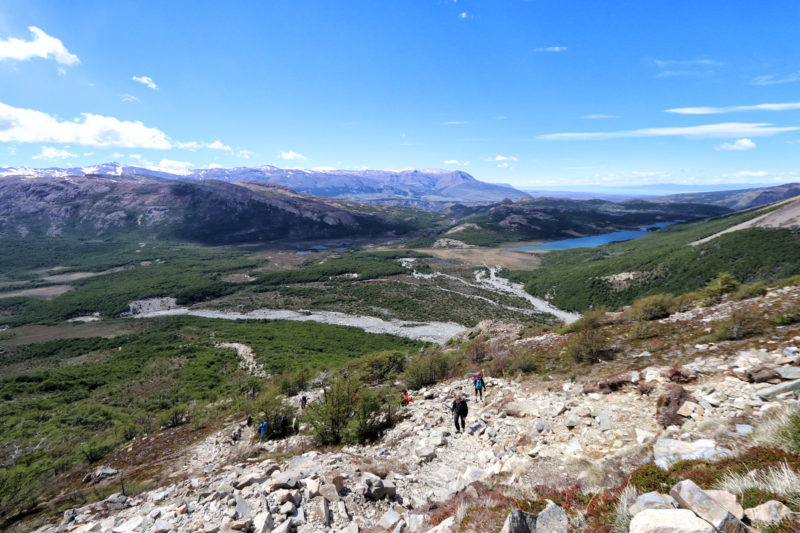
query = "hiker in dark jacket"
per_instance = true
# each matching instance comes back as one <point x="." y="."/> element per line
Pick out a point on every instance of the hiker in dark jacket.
<point x="460" y="410"/>
<point x="479" y="383"/>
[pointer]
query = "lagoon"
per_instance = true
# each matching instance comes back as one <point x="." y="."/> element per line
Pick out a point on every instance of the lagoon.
<point x="585" y="242"/>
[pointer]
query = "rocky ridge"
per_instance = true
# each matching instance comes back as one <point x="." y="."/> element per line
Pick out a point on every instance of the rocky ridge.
<point x="521" y="435"/>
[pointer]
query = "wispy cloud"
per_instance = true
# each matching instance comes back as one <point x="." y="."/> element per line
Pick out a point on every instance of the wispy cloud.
<point x="504" y="164"/>
<point x="146" y="80"/>
<point x="737" y="146"/>
<point x="462" y="15"/>
<point x="292" y="156"/>
<point x="52" y="154"/>
<point x="734" y="109"/>
<point x="244" y="154"/>
<point x="193" y="146"/>
<point x="457" y="163"/>
<point x="501" y="158"/>
<point x="454" y="123"/>
<point x="724" y="130"/>
<point x="597" y="116"/>
<point x="686" y="67"/>
<point x="41" y="45"/>
<point x="774" y="79"/>
<point x="551" y="49"/>
<point x="31" y="126"/>
<point x="176" y="165"/>
<point x="129" y="98"/>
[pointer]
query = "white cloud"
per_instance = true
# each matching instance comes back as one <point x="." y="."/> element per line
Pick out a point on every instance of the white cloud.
<point x="129" y="98"/>
<point x="457" y="163"/>
<point x="773" y="79"/>
<point x="689" y="67"/>
<point x="738" y="145"/>
<point x="596" y="116"/>
<point x="751" y="173"/>
<point x="215" y="165"/>
<point x="551" y="49"/>
<point x="29" y="125"/>
<point x="51" y="153"/>
<point x="177" y="165"/>
<point x="463" y="15"/>
<point x="501" y="158"/>
<point x="734" y="108"/>
<point x="724" y="130"/>
<point x="42" y="45"/>
<point x="454" y="123"/>
<point x="244" y="154"/>
<point x="146" y="80"/>
<point x="193" y="146"/>
<point x="504" y="164"/>
<point x="323" y="169"/>
<point x="292" y="156"/>
<point x="88" y="154"/>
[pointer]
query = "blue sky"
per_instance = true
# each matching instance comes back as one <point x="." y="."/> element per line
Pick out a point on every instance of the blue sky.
<point x="539" y="93"/>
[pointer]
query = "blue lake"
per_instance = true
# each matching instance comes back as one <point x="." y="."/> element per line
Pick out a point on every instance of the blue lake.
<point x="589" y="242"/>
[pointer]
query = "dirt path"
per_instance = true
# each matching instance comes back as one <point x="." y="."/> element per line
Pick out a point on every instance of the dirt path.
<point x="786" y="216"/>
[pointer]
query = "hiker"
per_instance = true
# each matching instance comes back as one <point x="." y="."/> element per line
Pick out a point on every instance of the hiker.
<point x="460" y="411"/>
<point x="479" y="383"/>
<point x="303" y="401"/>
<point x="249" y="421"/>
<point x="296" y="426"/>
<point x="406" y="398"/>
<point x="262" y="430"/>
<point x="284" y="426"/>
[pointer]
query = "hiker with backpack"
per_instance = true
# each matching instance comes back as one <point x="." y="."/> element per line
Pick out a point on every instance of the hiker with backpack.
<point x="460" y="410"/>
<point x="406" y="399"/>
<point x="262" y="429"/>
<point x="480" y="384"/>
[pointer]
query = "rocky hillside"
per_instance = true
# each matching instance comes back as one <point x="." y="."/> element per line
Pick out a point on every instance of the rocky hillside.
<point x="415" y="187"/>
<point x="659" y="438"/>
<point x="206" y="211"/>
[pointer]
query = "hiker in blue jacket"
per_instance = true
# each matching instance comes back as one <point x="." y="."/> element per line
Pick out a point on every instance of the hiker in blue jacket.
<point x="480" y="384"/>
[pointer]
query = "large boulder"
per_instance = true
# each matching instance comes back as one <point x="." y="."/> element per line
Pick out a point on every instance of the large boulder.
<point x="787" y="386"/>
<point x="669" y="521"/>
<point x="769" y="512"/>
<point x="552" y="520"/>
<point x="519" y="522"/>
<point x="728" y="501"/>
<point x="669" y="451"/>
<point x="651" y="500"/>
<point x="692" y="497"/>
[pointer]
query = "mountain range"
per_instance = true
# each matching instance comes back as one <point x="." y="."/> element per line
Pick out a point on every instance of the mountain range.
<point x="426" y="188"/>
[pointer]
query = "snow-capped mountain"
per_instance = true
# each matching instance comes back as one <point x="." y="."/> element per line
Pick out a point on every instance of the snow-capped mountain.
<point x="383" y="186"/>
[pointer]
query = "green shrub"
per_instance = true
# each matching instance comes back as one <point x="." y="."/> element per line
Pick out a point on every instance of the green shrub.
<point x="174" y="417"/>
<point x="379" y="366"/>
<point x="292" y="383"/>
<point x="650" y="478"/>
<point x="743" y="322"/>
<point x="718" y="287"/>
<point x="270" y="407"/>
<point x="589" y="343"/>
<point x="96" y="449"/>
<point x="786" y="319"/>
<point x="652" y="307"/>
<point x="752" y="290"/>
<point x="427" y="368"/>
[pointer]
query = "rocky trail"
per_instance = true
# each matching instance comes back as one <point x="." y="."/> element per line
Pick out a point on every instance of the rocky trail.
<point x="521" y="437"/>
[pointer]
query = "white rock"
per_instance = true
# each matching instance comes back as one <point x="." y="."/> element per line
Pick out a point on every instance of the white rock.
<point x="669" y="521"/>
<point x="768" y="512"/>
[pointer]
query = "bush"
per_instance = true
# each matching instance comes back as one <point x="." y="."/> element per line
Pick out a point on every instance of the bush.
<point x="523" y="361"/>
<point x="589" y="342"/>
<point x="650" y="478"/>
<point x="292" y="383"/>
<point x="96" y="449"/>
<point x="652" y="307"/>
<point x="743" y="322"/>
<point x="427" y="368"/>
<point x="379" y="366"/>
<point x="175" y="417"/>
<point x="752" y="290"/>
<point x="718" y="287"/>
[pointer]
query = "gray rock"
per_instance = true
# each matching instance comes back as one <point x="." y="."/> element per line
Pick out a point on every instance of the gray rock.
<point x="768" y="512"/>
<point x="299" y="517"/>
<point x="603" y="421"/>
<point x="129" y="525"/>
<point x="552" y="520"/>
<point x="283" y="480"/>
<point x="424" y="452"/>
<point x="780" y="388"/>
<point x="329" y="492"/>
<point x="790" y="351"/>
<point x="400" y="527"/>
<point x="389" y="519"/>
<point x="250" y="479"/>
<point x="262" y="523"/>
<point x="416" y="523"/>
<point x="285" y="527"/>
<point x="669" y="451"/>
<point x="728" y="501"/>
<point x="571" y="421"/>
<point x="650" y="500"/>
<point x="519" y="522"/>
<point x="669" y="521"/>
<point x="692" y="497"/>
<point x="318" y="509"/>
<point x="744" y="429"/>
<point x="543" y="427"/>
<point x="287" y="508"/>
<point x="789" y="372"/>
<point x="242" y="509"/>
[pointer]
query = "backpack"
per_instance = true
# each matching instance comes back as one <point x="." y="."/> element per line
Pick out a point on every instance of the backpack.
<point x="479" y="383"/>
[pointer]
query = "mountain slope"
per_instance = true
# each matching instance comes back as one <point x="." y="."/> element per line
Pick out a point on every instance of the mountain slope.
<point x="203" y="210"/>
<point x="739" y="200"/>
<point x="405" y="186"/>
